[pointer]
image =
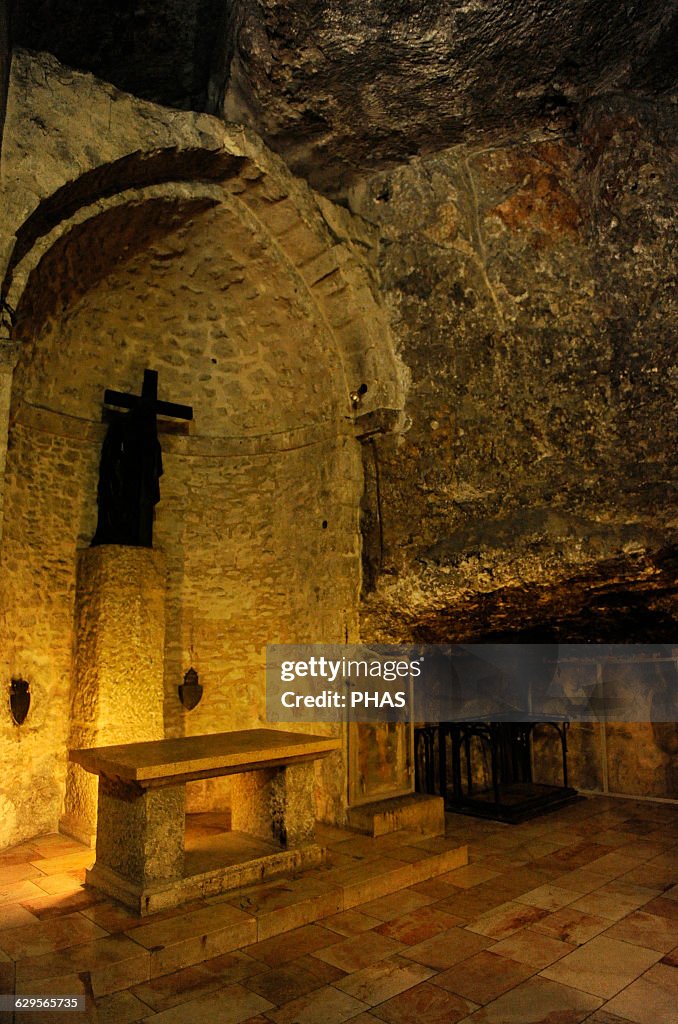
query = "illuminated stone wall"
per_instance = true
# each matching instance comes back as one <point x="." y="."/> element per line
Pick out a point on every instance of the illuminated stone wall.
<point x="251" y="299"/>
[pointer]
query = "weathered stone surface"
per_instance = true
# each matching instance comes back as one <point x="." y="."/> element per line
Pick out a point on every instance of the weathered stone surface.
<point x="141" y="831"/>
<point x="161" y="761"/>
<point x="338" y="86"/>
<point x="535" y="483"/>
<point x="117" y="692"/>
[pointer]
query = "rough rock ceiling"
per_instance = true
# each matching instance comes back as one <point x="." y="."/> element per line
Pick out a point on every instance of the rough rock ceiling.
<point x="342" y="87"/>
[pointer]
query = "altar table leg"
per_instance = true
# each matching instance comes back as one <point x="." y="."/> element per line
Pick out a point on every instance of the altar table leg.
<point x="140" y="831"/>
<point x="275" y="804"/>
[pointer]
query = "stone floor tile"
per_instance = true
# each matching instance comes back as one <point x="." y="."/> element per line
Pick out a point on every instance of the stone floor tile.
<point x="500" y="862"/>
<point x="113" y="963"/>
<point x="20" y="872"/>
<point x="350" y="922"/>
<point x="13" y="915"/>
<point x="652" y="998"/>
<point x="644" y="849"/>
<point x="58" y="905"/>
<point x="571" y="926"/>
<point x="324" y="1006"/>
<point x="641" y="894"/>
<point x="662" y="907"/>
<point x="655" y="872"/>
<point x="547" y="897"/>
<point x="436" y="888"/>
<point x="447" y="948"/>
<point x="537" y="848"/>
<point x="610" y="905"/>
<point x="505" y="919"/>
<point x="233" y="966"/>
<point x="483" y="977"/>
<point x="7" y="968"/>
<point x="81" y="858"/>
<point x="179" y="987"/>
<point x="533" y="948"/>
<point x="648" y="930"/>
<point x="230" y="1005"/>
<point x="470" y="875"/>
<point x="298" y="978"/>
<point x="21" y="854"/>
<point x="581" y="880"/>
<point x="395" y="904"/>
<point x="383" y="980"/>
<point x="426" y="1003"/>
<point x="419" y="925"/>
<point x="62" y="882"/>
<point x="641" y="824"/>
<point x="603" y="1017"/>
<point x="615" y="837"/>
<point x="572" y="857"/>
<point x="280" y="949"/>
<point x="471" y="904"/>
<point x="537" y="1001"/>
<point x="113" y="917"/>
<point x="120" y="1008"/>
<point x="56" y="845"/>
<point x="523" y="879"/>
<point x="14" y="892"/>
<point x="201" y="979"/>
<point x="353" y="954"/>
<point x="48" y="936"/>
<point x="614" y="864"/>
<point x="602" y="966"/>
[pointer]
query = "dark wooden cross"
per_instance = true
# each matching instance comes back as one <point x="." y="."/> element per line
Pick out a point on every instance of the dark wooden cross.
<point x="149" y="396"/>
<point x="131" y="465"/>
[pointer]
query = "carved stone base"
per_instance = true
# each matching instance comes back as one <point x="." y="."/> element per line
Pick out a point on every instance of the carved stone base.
<point x="148" y="898"/>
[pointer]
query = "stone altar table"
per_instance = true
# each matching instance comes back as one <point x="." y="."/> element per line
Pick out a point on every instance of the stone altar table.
<point x="140" y="857"/>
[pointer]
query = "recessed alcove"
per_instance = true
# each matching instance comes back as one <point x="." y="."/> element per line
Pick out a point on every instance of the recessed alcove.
<point x="202" y="294"/>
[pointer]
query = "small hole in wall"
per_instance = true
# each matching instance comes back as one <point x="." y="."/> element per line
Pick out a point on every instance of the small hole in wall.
<point x="214" y="360"/>
<point x="324" y="524"/>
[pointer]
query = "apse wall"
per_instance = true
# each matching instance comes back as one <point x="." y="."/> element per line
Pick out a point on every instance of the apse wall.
<point x="203" y="260"/>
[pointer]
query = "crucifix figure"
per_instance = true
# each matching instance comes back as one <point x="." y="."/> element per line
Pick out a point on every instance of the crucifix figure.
<point x="131" y="465"/>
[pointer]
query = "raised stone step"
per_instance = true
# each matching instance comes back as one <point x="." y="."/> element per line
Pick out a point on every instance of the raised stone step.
<point x="416" y="812"/>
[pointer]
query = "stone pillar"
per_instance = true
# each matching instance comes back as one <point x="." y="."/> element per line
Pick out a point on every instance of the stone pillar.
<point x="117" y="687"/>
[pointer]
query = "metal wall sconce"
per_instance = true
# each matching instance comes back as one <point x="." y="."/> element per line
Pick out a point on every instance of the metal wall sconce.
<point x="357" y="395"/>
<point x="190" y="691"/>
<point x="19" y="700"/>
